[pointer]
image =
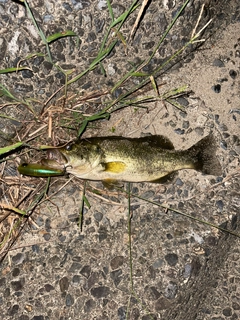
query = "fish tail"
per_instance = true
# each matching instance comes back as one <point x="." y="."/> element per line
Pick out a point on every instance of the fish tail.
<point x="204" y="156"/>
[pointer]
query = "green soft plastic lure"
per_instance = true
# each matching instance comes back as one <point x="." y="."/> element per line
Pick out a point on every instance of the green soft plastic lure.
<point x="39" y="170"/>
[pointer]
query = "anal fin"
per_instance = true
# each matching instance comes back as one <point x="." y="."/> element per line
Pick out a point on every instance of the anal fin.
<point x="111" y="183"/>
<point x="165" y="179"/>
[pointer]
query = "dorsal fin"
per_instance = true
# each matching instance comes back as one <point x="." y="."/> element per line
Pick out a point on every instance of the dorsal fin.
<point x="158" y="141"/>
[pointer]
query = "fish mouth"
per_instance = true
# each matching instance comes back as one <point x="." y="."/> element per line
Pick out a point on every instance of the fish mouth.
<point x="55" y="159"/>
<point x="57" y="155"/>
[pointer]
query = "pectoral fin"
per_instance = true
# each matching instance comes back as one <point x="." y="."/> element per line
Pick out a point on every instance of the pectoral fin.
<point x="115" y="167"/>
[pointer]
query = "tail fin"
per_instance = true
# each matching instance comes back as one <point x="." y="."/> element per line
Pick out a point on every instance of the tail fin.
<point x="204" y="155"/>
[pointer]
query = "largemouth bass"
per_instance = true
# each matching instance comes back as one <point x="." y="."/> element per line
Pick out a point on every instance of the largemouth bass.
<point x="136" y="159"/>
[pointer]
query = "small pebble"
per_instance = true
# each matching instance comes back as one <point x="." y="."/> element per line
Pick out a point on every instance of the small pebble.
<point x="182" y="101"/>
<point x="75" y="267"/>
<point x="179" y="191"/>
<point x="182" y="114"/>
<point x="185" y="124"/>
<point x="233" y="74"/>
<point x="98" y="216"/>
<point x="27" y="74"/>
<point x="217" y="118"/>
<point x="199" y="131"/>
<point x="226" y="135"/>
<point x="179" y="131"/>
<point x="35" y="248"/>
<point x="218" y="63"/>
<point x="89" y="305"/>
<point x="148" y="194"/>
<point x="62" y="238"/>
<point x="64" y="284"/>
<point x="158" y="263"/>
<point x="135" y="190"/>
<point x="76" y="279"/>
<point x="216" y="88"/>
<point x="86" y="271"/>
<point x="179" y="182"/>
<point x="117" y="262"/>
<point x="18" y="258"/>
<point x="47" y="236"/>
<point x="67" y="6"/>
<point x="122" y="311"/>
<point x="48" y="287"/>
<point x="223" y="80"/>
<point x="219" y="179"/>
<point x="233" y="153"/>
<point x="187" y="270"/>
<point x="223" y="145"/>
<point x="102" y="4"/>
<point x="227" y="312"/>
<point x="15" y="272"/>
<point x="116" y="276"/>
<point x="14" y="310"/>
<point x="171" y="290"/>
<point x="100" y="292"/>
<point x="235" y="111"/>
<point x="180" y="205"/>
<point x="220" y="205"/>
<point x="135" y="207"/>
<point x="39" y="221"/>
<point x="47" y="18"/>
<point x="69" y="300"/>
<point x="172" y="259"/>
<point x="223" y="127"/>
<point x="18" y="285"/>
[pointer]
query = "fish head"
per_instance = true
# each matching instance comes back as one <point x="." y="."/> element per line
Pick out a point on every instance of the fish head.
<point x="81" y="157"/>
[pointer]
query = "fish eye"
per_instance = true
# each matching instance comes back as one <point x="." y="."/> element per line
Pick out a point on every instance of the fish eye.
<point x="69" y="147"/>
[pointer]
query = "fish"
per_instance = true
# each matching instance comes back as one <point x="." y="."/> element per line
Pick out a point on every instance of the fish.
<point x="146" y="159"/>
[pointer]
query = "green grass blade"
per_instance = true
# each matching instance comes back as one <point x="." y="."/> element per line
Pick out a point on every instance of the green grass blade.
<point x="80" y="221"/>
<point x="188" y="216"/>
<point x="168" y="29"/>
<point x="35" y="54"/>
<point x="7" y="117"/>
<point x="176" y="104"/>
<point x="130" y="235"/>
<point x="8" y="70"/>
<point x="41" y="34"/>
<point x="59" y="35"/>
<point x="5" y="92"/>
<point x="85" y="199"/>
<point x="121" y="19"/>
<point x="110" y="10"/>
<point x="157" y="70"/>
<point x="180" y="213"/>
<point x="124" y="78"/>
<point x="10" y="148"/>
<point x="103" y="52"/>
<point x="95" y="117"/>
